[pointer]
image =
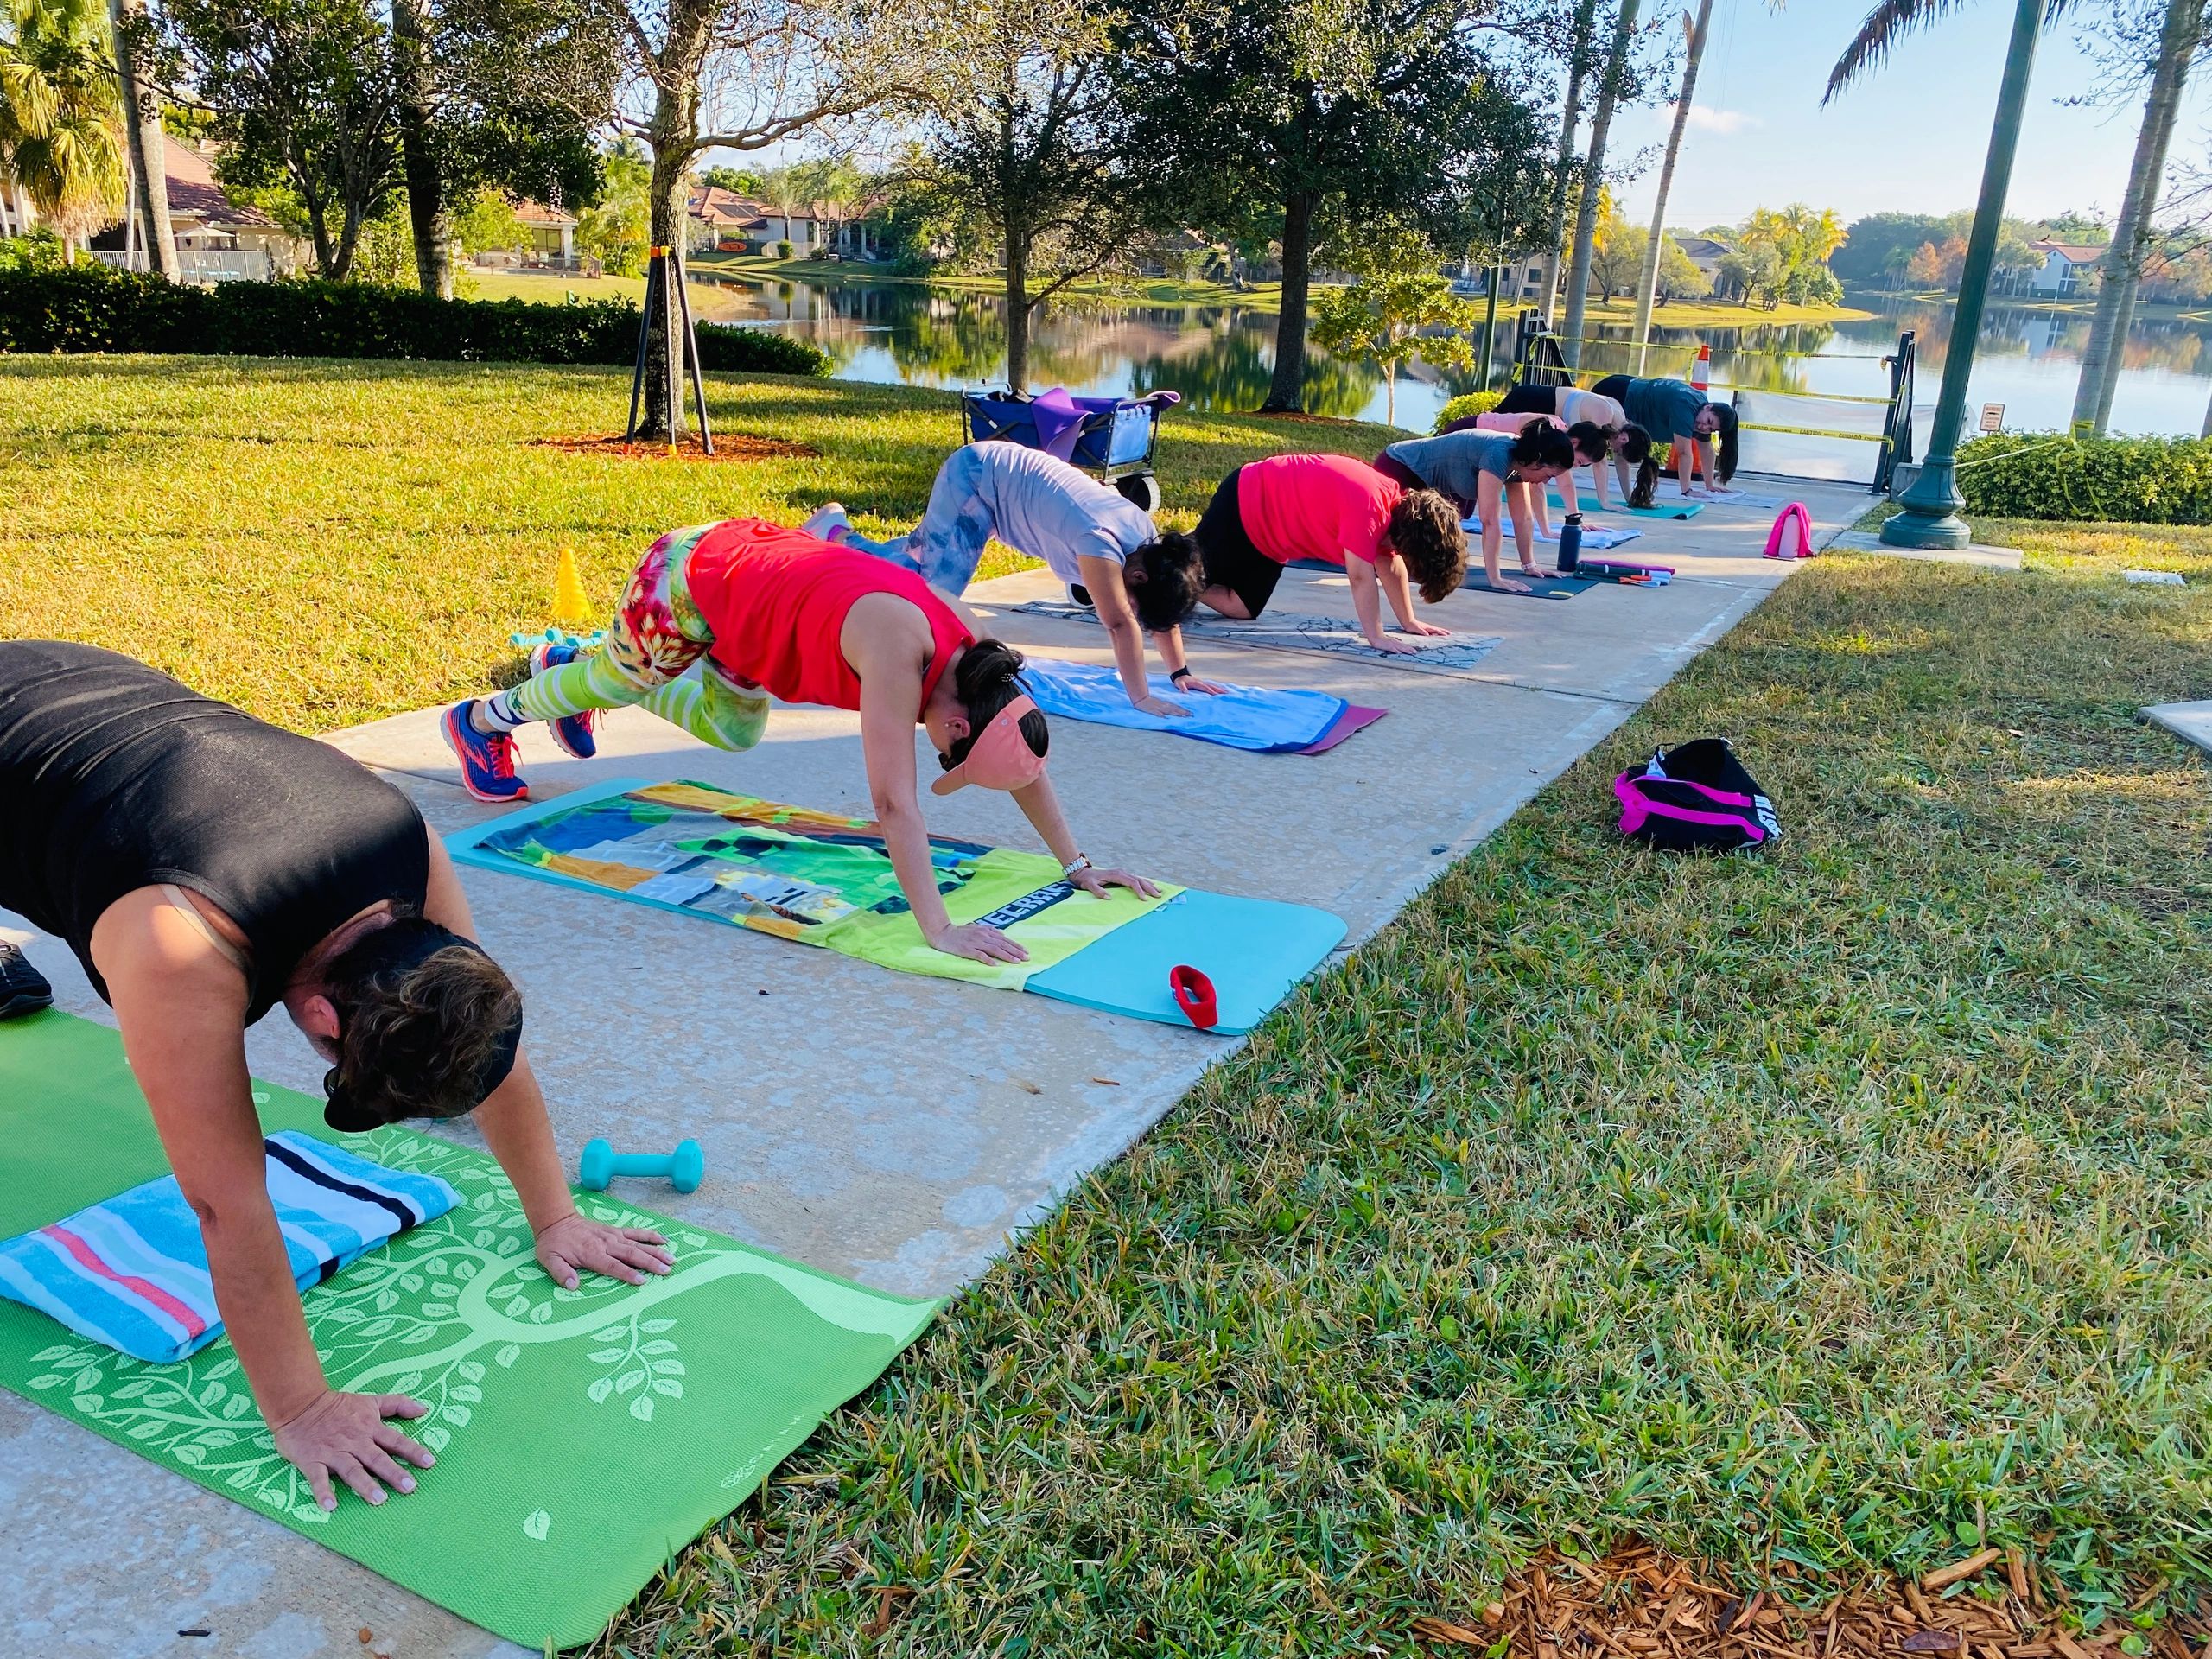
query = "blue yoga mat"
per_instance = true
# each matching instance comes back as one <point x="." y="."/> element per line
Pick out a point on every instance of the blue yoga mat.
<point x="1259" y="719"/>
<point x="1254" y="951"/>
<point x="1676" y="508"/>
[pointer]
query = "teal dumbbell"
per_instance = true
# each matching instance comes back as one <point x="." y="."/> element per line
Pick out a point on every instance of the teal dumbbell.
<point x="685" y="1168"/>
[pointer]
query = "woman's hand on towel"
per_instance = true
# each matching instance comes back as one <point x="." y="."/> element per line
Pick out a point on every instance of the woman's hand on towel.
<point x="1095" y="881"/>
<point x="347" y="1435"/>
<point x="1161" y="708"/>
<point x="1200" y="688"/>
<point x="575" y="1245"/>
<point x="1424" y="630"/>
<point x="978" y="942"/>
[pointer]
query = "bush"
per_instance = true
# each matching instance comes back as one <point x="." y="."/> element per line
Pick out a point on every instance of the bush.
<point x="2129" y="480"/>
<point x="783" y="250"/>
<point x="41" y="250"/>
<point x="1468" y="404"/>
<point x="93" y="308"/>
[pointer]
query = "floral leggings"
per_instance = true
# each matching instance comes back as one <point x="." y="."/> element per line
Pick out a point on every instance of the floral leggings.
<point x="654" y="656"/>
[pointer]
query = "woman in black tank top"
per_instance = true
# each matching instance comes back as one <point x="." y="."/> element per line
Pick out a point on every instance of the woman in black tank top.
<point x="205" y="866"/>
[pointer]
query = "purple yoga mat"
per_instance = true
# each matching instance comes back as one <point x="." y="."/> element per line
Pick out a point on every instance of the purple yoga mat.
<point x="1353" y="719"/>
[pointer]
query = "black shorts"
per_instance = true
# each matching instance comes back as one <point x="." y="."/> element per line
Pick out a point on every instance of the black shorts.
<point x="1231" y="558"/>
<point x="1525" y="399"/>
<point x="1614" y="386"/>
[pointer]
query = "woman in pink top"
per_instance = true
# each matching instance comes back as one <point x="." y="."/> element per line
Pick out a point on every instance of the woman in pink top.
<point x="1340" y="511"/>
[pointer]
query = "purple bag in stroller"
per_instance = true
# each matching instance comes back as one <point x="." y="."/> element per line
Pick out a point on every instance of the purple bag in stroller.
<point x="1696" y="797"/>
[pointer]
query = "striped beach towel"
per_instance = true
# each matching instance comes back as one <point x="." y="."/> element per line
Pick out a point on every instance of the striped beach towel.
<point x="132" y="1272"/>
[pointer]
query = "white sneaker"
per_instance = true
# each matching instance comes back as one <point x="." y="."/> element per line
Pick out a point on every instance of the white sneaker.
<point x="825" y="522"/>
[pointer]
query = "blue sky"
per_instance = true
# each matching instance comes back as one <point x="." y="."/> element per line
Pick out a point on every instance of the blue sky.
<point x="1912" y="137"/>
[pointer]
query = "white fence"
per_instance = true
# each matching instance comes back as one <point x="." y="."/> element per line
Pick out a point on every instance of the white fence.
<point x="200" y="264"/>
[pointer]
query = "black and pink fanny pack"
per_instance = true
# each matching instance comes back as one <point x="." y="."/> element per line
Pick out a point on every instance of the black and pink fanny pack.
<point x="1696" y="798"/>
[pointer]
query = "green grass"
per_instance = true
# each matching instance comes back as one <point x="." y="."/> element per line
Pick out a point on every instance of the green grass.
<point x="327" y="542"/>
<point x="1828" y="1207"/>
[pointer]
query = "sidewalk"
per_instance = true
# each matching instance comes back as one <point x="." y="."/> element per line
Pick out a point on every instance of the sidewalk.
<point x="891" y="1129"/>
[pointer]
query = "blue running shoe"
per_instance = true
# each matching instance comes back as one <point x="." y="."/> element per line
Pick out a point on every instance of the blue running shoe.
<point x="574" y="732"/>
<point x="488" y="758"/>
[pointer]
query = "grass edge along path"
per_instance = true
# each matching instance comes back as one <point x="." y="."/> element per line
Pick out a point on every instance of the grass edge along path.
<point x="1833" y="1213"/>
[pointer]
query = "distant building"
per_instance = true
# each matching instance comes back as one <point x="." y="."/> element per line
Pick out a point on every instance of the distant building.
<point x="730" y="223"/>
<point x="218" y="240"/>
<point x="2067" y="268"/>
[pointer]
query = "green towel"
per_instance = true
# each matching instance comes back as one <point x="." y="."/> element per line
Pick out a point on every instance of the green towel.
<point x="582" y="1437"/>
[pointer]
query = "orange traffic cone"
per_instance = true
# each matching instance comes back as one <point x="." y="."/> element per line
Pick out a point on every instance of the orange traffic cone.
<point x="1702" y="371"/>
<point x="570" y="604"/>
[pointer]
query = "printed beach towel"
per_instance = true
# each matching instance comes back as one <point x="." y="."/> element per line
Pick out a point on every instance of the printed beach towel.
<point x="817" y="877"/>
<point x="1255" y="718"/>
<point x="131" y="1272"/>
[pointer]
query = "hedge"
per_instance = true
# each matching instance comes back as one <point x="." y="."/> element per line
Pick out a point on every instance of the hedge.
<point x="92" y="308"/>
<point x="2124" y="480"/>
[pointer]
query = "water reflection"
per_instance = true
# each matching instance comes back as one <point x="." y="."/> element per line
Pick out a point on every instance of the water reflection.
<point x="1223" y="357"/>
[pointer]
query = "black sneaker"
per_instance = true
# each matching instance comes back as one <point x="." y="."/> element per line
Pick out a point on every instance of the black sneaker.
<point x="23" y="989"/>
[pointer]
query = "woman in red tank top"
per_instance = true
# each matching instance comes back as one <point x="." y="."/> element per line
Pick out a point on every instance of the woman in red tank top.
<point x="760" y="611"/>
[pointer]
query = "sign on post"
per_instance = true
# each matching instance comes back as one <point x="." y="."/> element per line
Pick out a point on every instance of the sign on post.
<point x="1993" y="417"/>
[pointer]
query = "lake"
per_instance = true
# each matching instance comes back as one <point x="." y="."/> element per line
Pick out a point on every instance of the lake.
<point x="1220" y="357"/>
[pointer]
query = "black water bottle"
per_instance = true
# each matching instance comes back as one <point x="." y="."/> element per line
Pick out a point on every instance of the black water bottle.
<point x="1570" y="544"/>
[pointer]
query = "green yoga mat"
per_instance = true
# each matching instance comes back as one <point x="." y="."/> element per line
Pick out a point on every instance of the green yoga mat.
<point x="582" y="1437"/>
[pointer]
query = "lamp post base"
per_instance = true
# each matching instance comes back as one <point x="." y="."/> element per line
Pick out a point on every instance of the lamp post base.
<point x="1931" y="517"/>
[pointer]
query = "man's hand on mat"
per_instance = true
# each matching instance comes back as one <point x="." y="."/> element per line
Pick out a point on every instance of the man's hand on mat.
<point x="1095" y="882"/>
<point x="1161" y="708"/>
<point x="978" y="944"/>
<point x="575" y="1245"/>
<point x="347" y="1435"/>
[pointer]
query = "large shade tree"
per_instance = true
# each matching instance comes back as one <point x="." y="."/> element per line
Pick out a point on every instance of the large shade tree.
<point x="302" y="94"/>
<point x="500" y="95"/>
<point x="1027" y="147"/>
<point x="1286" y="112"/>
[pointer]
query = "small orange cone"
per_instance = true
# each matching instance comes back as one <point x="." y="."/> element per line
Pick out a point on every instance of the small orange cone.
<point x="570" y="604"/>
<point x="1702" y="371"/>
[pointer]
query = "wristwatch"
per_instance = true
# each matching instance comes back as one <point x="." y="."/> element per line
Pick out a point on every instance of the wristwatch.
<point x="1068" y="871"/>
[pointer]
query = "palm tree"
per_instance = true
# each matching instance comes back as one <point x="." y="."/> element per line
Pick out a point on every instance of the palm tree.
<point x="2180" y="38"/>
<point x="1647" y="287"/>
<point x="141" y="125"/>
<point x="1578" y="70"/>
<point x="59" y="125"/>
<point x="1617" y="70"/>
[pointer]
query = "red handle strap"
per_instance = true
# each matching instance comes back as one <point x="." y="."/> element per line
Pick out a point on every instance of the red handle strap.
<point x="1194" y="995"/>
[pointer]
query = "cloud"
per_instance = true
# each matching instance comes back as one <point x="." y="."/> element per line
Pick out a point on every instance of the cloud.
<point x="1724" y="122"/>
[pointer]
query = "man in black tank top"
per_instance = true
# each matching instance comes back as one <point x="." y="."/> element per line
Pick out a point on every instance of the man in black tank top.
<point x="204" y="866"/>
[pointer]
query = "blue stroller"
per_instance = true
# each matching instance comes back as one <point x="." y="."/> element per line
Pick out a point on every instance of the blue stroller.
<point x="1111" y="437"/>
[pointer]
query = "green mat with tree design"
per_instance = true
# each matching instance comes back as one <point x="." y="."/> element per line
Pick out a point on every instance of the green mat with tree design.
<point x="583" y="1436"/>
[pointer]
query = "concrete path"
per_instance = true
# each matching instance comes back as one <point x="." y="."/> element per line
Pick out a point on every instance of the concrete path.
<point x="2189" y="721"/>
<point x="887" y="1128"/>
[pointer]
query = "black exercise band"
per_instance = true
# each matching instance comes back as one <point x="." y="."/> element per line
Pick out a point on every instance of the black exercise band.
<point x="1179" y="676"/>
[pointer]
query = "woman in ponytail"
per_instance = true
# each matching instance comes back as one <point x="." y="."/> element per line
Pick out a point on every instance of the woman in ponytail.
<point x="1088" y="534"/>
<point x="1680" y="415"/>
<point x="1489" y="474"/>
<point x="719" y="618"/>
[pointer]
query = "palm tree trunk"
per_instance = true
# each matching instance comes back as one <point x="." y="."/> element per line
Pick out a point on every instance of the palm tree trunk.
<point x="428" y="211"/>
<point x="1594" y="180"/>
<point x="2122" y="268"/>
<point x="142" y="126"/>
<point x="1578" y="65"/>
<point x="1647" y="286"/>
<point x="1287" y="389"/>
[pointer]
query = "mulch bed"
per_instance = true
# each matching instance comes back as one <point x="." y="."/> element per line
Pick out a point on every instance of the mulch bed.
<point x="1640" y="1604"/>
<point x="728" y="446"/>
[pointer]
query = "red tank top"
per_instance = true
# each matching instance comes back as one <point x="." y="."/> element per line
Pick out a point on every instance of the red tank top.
<point x="776" y="601"/>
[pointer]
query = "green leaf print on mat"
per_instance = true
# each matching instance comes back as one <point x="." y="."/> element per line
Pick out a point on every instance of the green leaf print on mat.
<point x="581" y="1435"/>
